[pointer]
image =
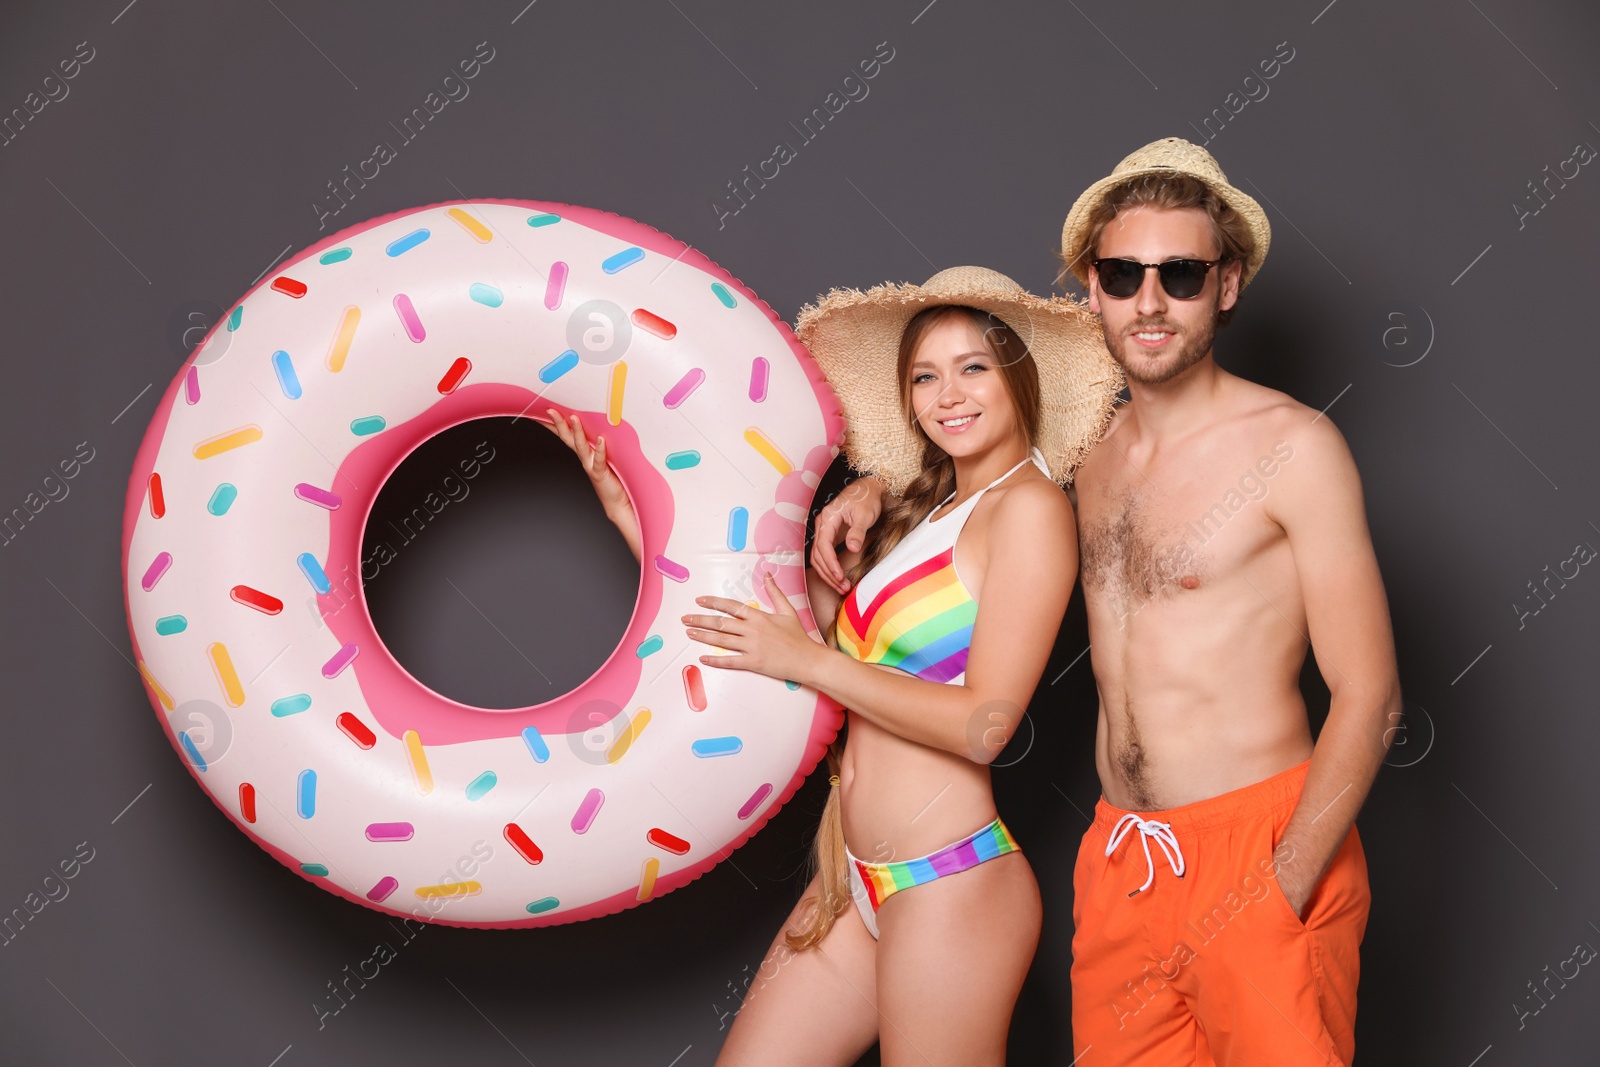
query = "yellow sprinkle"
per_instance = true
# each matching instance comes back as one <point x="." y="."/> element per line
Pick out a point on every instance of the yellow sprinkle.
<point x="769" y="451"/>
<point x="450" y="889"/>
<point x="223" y="442"/>
<point x="227" y="677"/>
<point x="342" y="337"/>
<point x="619" y="377"/>
<point x="647" y="878"/>
<point x="636" y="725"/>
<point x="419" y="763"/>
<point x="478" y="230"/>
<point x="155" y="686"/>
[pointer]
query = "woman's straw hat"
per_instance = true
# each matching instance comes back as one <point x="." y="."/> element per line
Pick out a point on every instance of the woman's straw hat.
<point x="855" y="338"/>
<point x="1170" y="155"/>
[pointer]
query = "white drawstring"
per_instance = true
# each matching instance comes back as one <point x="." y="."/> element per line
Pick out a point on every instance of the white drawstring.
<point x="1148" y="828"/>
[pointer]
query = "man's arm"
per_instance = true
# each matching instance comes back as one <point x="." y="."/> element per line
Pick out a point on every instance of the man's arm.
<point x="1319" y="503"/>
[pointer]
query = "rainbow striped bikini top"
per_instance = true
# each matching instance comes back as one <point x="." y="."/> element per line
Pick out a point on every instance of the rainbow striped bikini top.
<point x="918" y="615"/>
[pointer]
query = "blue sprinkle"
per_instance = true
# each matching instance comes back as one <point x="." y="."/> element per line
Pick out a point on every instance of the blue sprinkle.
<point x="235" y="318"/>
<point x="481" y="785"/>
<point x="716" y="746"/>
<point x="288" y="380"/>
<point x="334" y="255"/>
<point x="543" y="904"/>
<point x="536" y="746"/>
<point x="222" y="498"/>
<point x="792" y="685"/>
<point x="543" y="220"/>
<point x="313" y="572"/>
<point x="558" y="366"/>
<point x="408" y="242"/>
<point x="192" y="752"/>
<point x="171" y="624"/>
<point x="306" y="796"/>
<point x="317" y="869"/>
<point x="723" y="295"/>
<point x="677" y="461"/>
<point x="367" y="424"/>
<point x="286" y="706"/>
<point x="650" y="644"/>
<point x="625" y="258"/>
<point x="738" y="529"/>
<point x="487" y="295"/>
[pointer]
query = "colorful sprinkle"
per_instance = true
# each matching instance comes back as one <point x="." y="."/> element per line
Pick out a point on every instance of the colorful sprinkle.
<point x="543" y="904"/>
<point x="367" y="424"/>
<point x="191" y="385"/>
<point x="283" y="707"/>
<point x="487" y="295"/>
<point x="694" y="687"/>
<point x="171" y="624"/>
<point x="543" y="220"/>
<point x="227" y="677"/>
<point x="265" y="603"/>
<point x="738" y="529"/>
<point x="235" y="318"/>
<point x="356" y="730"/>
<point x="625" y="739"/>
<point x="419" y="762"/>
<point x="340" y="660"/>
<point x="769" y="451"/>
<point x="157" y="568"/>
<point x="158" y="499"/>
<point x="748" y="808"/>
<point x="288" y="286"/>
<point x="723" y="295"/>
<point x="334" y="255"/>
<point x="587" y="810"/>
<point x="224" y="442"/>
<point x="449" y="889"/>
<point x="452" y="377"/>
<point x="686" y="385"/>
<point x="653" y="643"/>
<point x="478" y="230"/>
<point x="317" y="870"/>
<point x="647" y="878"/>
<point x="320" y="497"/>
<point x="400" y="246"/>
<point x="618" y="381"/>
<point x="650" y="322"/>
<point x="390" y="831"/>
<point x="670" y="842"/>
<point x="222" y="498"/>
<point x="519" y="839"/>
<point x="481" y="785"/>
<point x="313" y="571"/>
<point x="625" y="258"/>
<point x="759" y="370"/>
<point x="558" y="366"/>
<point x="305" y="804"/>
<point x="555" y="285"/>
<point x="288" y="380"/>
<point x="408" y="317"/>
<point x="189" y="750"/>
<point x="155" y="686"/>
<point x="535" y="742"/>
<point x="339" y="347"/>
<point x="676" y="571"/>
<point x="677" y="461"/>
<point x="247" y="802"/>
<point x="791" y="686"/>
<point x="383" y="889"/>
<point x="707" y="747"/>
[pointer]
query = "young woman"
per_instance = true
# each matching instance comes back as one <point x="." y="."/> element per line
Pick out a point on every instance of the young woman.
<point x="944" y="636"/>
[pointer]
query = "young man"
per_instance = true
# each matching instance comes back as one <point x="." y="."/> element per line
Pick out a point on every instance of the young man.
<point x="1222" y="533"/>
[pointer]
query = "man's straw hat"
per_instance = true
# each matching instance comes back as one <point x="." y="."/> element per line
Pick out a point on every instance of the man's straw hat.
<point x="1170" y="155"/>
<point x="855" y="338"/>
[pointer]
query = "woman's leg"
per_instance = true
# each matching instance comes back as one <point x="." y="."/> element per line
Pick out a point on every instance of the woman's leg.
<point x="951" y="960"/>
<point x="814" y="1007"/>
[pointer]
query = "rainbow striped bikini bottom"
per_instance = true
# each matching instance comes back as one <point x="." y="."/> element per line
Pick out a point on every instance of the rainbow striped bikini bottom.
<point x="873" y="883"/>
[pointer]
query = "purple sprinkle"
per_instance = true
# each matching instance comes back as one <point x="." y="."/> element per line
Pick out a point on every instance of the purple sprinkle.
<point x="158" y="567"/>
<point x="191" y="385"/>
<point x="758" y="379"/>
<point x="686" y="385"/>
<point x="380" y="892"/>
<point x="341" y="659"/>
<point x="676" y="571"/>
<point x="749" y="807"/>
<point x="320" y="497"/>
<point x="390" y="831"/>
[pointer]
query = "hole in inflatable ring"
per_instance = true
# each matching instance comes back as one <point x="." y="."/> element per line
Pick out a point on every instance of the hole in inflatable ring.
<point x="490" y="569"/>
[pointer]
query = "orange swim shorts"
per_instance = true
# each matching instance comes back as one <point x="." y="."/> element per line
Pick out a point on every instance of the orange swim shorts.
<point x="1185" y="951"/>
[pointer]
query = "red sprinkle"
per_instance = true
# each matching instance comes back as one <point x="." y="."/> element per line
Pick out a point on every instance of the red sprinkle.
<point x="158" y="499"/>
<point x="661" y="839"/>
<point x="288" y="286"/>
<point x="694" y="687"/>
<point x="255" y="598"/>
<point x="523" y="843"/>
<point x="650" y="322"/>
<point x="452" y="377"/>
<point x="247" y="801"/>
<point x="356" y="730"/>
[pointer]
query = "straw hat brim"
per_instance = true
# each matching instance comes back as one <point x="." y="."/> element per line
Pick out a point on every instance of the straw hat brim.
<point x="855" y="338"/>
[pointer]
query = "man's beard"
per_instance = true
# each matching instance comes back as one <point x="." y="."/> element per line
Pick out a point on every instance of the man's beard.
<point x="1192" y="348"/>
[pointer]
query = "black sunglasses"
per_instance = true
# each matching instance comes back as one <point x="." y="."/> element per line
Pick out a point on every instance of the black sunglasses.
<point x="1181" y="278"/>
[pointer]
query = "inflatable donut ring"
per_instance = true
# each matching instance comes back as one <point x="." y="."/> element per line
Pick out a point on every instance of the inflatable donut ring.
<point x="241" y="560"/>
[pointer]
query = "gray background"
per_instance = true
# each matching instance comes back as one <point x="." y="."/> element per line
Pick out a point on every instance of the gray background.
<point x="1389" y="154"/>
